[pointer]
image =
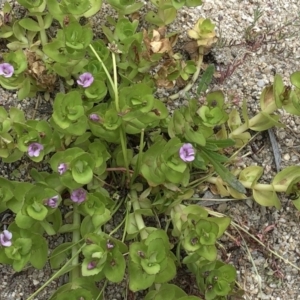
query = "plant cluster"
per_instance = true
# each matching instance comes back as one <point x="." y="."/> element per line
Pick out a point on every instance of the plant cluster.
<point x="109" y="132"/>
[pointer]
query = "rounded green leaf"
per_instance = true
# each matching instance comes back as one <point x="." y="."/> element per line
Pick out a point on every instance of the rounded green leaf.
<point x="150" y="268"/>
<point x="30" y="24"/>
<point x="37" y="211"/>
<point x="208" y="252"/>
<point x="114" y="268"/>
<point x="24" y="221"/>
<point x="138" y="278"/>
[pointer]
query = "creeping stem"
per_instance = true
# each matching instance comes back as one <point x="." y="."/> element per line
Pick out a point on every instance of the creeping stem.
<point x="138" y="217"/>
<point x="114" y="84"/>
<point x="43" y="34"/>
<point x="258" y="186"/>
<point x="75" y="238"/>
<point x="105" y="69"/>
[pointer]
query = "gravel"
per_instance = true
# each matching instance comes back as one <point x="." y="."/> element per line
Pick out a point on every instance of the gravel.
<point x="275" y="279"/>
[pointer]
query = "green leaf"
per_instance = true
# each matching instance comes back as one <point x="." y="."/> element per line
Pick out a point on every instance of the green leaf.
<point x="68" y="228"/>
<point x="114" y="268"/>
<point x="17" y="115"/>
<point x="24" y="91"/>
<point x="167" y="15"/>
<point x="193" y="3"/>
<point x="251" y="174"/>
<point x="37" y="211"/>
<point x="56" y="51"/>
<point x="227" y="272"/>
<point x="208" y="252"/>
<point x="30" y="24"/>
<point x="78" y="293"/>
<point x="31" y="4"/>
<point x="168" y="273"/>
<point x="24" y="221"/>
<point x="224" y="173"/>
<point x="266" y="198"/>
<point x="48" y="228"/>
<point x="138" y="279"/>
<point x="206" y="79"/>
<point x="295" y="79"/>
<point x="265" y="122"/>
<point x="60" y="254"/>
<point x="153" y="18"/>
<point x="221" y="143"/>
<point x="18" y="265"/>
<point x="194" y="136"/>
<point x="39" y="252"/>
<point x="95" y="6"/>
<point x="223" y="224"/>
<point x="86" y="226"/>
<point x="82" y="174"/>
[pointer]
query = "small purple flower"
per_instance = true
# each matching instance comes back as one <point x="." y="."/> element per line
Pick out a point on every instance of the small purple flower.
<point x="34" y="149"/>
<point x="109" y="245"/>
<point x="187" y="152"/>
<point x="52" y="202"/>
<point x="91" y="265"/>
<point x="5" y="238"/>
<point x="94" y="117"/>
<point x="78" y="195"/>
<point x="85" y="79"/>
<point x="62" y="168"/>
<point x="6" y="70"/>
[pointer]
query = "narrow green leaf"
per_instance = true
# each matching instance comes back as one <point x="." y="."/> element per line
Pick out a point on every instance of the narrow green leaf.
<point x="206" y="79"/>
<point x="225" y="173"/>
<point x="30" y="24"/>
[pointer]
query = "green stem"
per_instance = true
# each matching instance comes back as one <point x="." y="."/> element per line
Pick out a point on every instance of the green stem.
<point x="124" y="150"/>
<point x="255" y="120"/>
<point x="122" y="130"/>
<point x="102" y="290"/>
<point x="75" y="273"/>
<point x="105" y="70"/>
<point x="116" y="82"/>
<point x="57" y="274"/>
<point x="194" y="78"/>
<point x="259" y="186"/>
<point x="126" y="220"/>
<point x="139" y="160"/>
<point x="43" y="34"/>
<point x="138" y="217"/>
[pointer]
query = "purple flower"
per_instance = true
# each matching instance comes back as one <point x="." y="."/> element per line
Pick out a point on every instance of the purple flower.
<point x="6" y="70"/>
<point x="34" y="149"/>
<point x="78" y="195"/>
<point x="62" y="168"/>
<point x="91" y="265"/>
<point x="5" y="238"/>
<point x="109" y="245"/>
<point x="52" y="202"/>
<point x="85" y="79"/>
<point x="94" y="117"/>
<point x="187" y="152"/>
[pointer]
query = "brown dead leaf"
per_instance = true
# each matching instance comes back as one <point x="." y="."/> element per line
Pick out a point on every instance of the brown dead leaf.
<point x="164" y="83"/>
<point x="135" y="16"/>
<point x="162" y="31"/>
<point x="158" y="43"/>
<point x="180" y="82"/>
<point x="191" y="48"/>
<point x="37" y="69"/>
<point x="173" y="39"/>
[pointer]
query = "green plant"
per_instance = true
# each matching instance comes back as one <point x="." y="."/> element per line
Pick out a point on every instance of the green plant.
<point x="109" y="132"/>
